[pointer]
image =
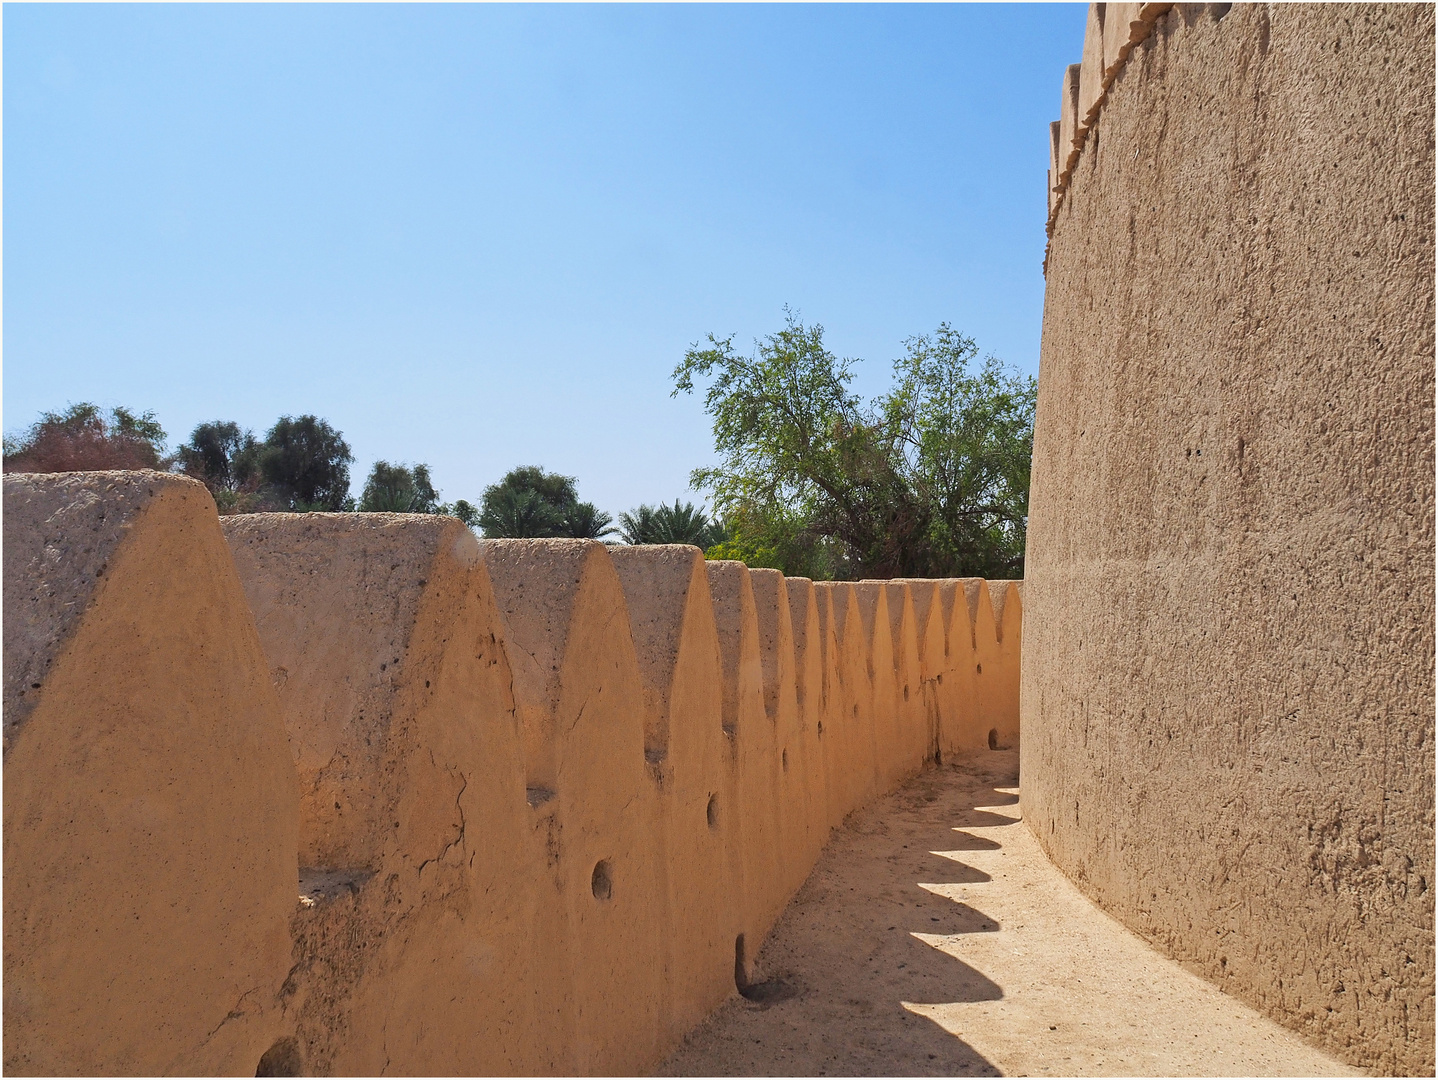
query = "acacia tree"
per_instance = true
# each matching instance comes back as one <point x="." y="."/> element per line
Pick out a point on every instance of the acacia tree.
<point x="83" y="438"/>
<point x="226" y="460"/>
<point x="305" y="464"/>
<point x="965" y="441"/>
<point x="929" y="480"/>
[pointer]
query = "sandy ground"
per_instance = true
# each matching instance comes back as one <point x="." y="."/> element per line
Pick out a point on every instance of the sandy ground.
<point x="934" y="938"/>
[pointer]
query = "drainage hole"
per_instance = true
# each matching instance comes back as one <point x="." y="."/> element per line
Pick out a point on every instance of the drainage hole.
<point x="712" y="811"/>
<point x="282" y="1059"/>
<point x="993" y="738"/>
<point x="784" y="757"/>
<point x="600" y="881"/>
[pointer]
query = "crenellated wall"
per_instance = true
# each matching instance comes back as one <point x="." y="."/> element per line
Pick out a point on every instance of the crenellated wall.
<point x="542" y="799"/>
<point x="1228" y="664"/>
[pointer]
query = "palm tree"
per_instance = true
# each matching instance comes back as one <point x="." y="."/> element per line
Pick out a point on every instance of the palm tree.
<point x="511" y="514"/>
<point x="397" y="489"/>
<point x="637" y="527"/>
<point x="663" y="524"/>
<point x="584" y="522"/>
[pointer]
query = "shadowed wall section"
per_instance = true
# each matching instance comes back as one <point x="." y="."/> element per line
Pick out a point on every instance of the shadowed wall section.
<point x="542" y="800"/>
<point x="1227" y="689"/>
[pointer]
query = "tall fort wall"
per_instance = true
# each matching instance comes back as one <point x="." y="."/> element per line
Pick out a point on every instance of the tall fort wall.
<point x="360" y="794"/>
<point x="1227" y="690"/>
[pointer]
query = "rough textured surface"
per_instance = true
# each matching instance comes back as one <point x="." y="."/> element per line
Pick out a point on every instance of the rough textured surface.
<point x="1227" y="690"/>
<point x="755" y="752"/>
<point x="599" y="899"/>
<point x="60" y="531"/>
<point x="671" y="616"/>
<point x="335" y="597"/>
<point x="549" y="798"/>
<point x="380" y="630"/>
<point x="934" y="938"/>
<point x="149" y="795"/>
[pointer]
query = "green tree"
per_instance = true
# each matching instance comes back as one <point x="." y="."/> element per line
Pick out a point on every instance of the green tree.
<point x="530" y="502"/>
<point x="399" y="489"/>
<point x="584" y="521"/>
<point x="965" y="441"/>
<point x="508" y="513"/>
<point x="929" y="480"/>
<point x="81" y="438"/>
<point x="664" y="524"/>
<point x="467" y="512"/>
<point x="221" y="455"/>
<point x="305" y="463"/>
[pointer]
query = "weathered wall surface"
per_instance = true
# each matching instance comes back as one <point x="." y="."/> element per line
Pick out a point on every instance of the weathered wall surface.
<point x="1227" y="687"/>
<point x="150" y="802"/>
<point x="383" y="641"/>
<point x="638" y="785"/>
<point x="430" y="805"/>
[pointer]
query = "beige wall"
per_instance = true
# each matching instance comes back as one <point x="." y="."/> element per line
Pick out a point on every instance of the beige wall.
<point x="1227" y="688"/>
<point x="150" y="799"/>
<point x="535" y="792"/>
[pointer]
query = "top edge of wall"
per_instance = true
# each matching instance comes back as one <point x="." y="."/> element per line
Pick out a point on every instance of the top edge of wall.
<point x="1112" y="33"/>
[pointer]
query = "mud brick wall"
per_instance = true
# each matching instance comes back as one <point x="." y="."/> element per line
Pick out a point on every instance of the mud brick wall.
<point x="1227" y="688"/>
<point x="442" y="805"/>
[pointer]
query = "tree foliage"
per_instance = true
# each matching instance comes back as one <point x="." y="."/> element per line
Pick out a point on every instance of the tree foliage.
<point x="399" y="489"/>
<point x="664" y="524"/>
<point x="83" y="438"/>
<point x="305" y="465"/>
<point x="402" y="489"/>
<point x="585" y="521"/>
<point x="227" y="460"/>
<point x="928" y="480"/>
<point x="530" y="502"/>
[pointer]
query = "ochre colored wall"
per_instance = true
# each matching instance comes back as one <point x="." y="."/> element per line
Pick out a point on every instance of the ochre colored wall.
<point x="641" y="715"/>
<point x="150" y="799"/>
<point x="1227" y="685"/>
<point x="535" y="792"/>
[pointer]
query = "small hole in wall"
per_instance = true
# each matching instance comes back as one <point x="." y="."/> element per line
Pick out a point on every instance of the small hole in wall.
<point x="712" y="811"/>
<point x="821" y="729"/>
<point x="282" y="1059"/>
<point x="979" y="668"/>
<point x="741" y="966"/>
<point x="993" y="738"/>
<point x="600" y="881"/>
<point x="906" y="693"/>
<point x="784" y="759"/>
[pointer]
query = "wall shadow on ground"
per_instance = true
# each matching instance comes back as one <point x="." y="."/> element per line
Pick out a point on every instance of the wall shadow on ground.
<point x="852" y="946"/>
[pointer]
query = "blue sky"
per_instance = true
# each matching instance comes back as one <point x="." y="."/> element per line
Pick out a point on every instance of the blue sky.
<point x="483" y="236"/>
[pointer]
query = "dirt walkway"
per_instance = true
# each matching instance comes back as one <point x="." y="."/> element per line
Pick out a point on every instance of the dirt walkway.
<point x="934" y="938"/>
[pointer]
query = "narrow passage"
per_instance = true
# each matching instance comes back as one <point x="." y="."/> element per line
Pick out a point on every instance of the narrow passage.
<point x="935" y="938"/>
